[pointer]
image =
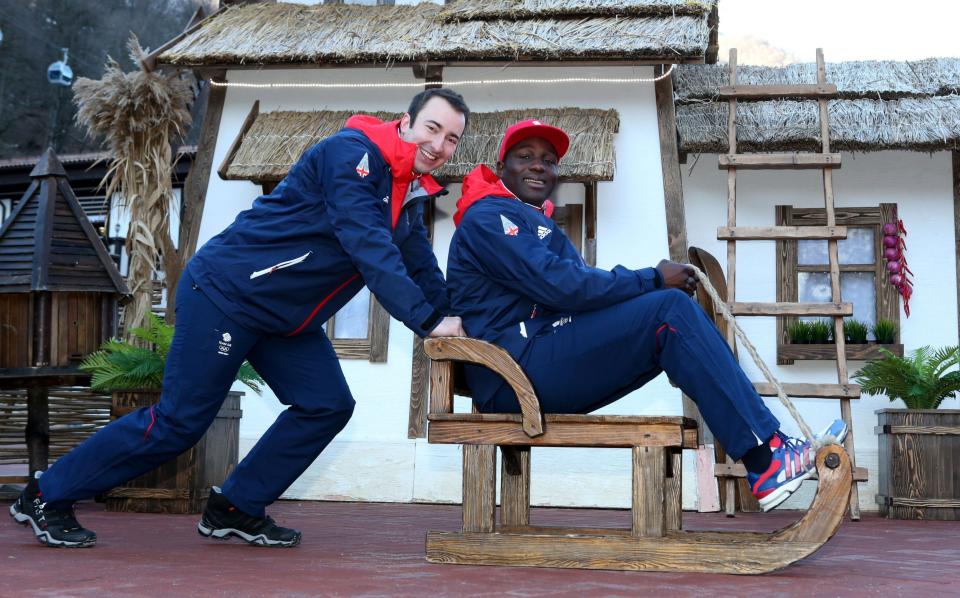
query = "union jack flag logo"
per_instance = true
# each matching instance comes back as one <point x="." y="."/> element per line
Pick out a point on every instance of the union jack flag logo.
<point x="509" y="228"/>
<point x="363" y="168"/>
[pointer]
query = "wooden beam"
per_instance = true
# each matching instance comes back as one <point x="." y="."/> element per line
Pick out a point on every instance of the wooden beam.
<point x="149" y="62"/>
<point x="590" y="222"/>
<point x="561" y="433"/>
<point x="499" y="62"/>
<point x="791" y="309"/>
<point x="770" y="92"/>
<point x="238" y="141"/>
<point x="775" y="233"/>
<point x="515" y="486"/>
<point x="956" y="227"/>
<point x="37" y="432"/>
<point x="419" y="389"/>
<point x="479" y="488"/>
<point x="789" y="161"/>
<point x="195" y="187"/>
<point x="649" y="479"/>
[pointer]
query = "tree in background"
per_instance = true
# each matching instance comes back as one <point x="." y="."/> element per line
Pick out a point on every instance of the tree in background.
<point x="139" y="113"/>
<point x="35" y="114"/>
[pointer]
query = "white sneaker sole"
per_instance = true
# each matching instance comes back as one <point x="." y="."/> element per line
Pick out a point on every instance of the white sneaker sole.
<point x="258" y="540"/>
<point x="44" y="536"/>
<point x="774" y="499"/>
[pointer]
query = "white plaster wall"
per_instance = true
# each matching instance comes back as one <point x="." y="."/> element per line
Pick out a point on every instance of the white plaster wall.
<point x="918" y="183"/>
<point x="372" y="459"/>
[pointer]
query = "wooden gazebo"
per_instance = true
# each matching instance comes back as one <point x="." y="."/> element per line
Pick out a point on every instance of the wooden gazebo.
<point x="59" y="290"/>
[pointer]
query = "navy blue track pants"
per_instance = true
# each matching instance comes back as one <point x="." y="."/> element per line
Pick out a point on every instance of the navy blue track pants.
<point x="594" y="358"/>
<point x="208" y="349"/>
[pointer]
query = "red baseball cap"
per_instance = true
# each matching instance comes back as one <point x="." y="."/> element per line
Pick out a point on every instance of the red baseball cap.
<point x="534" y="128"/>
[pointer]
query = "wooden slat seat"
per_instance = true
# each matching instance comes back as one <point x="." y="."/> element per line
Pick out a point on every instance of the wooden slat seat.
<point x="563" y="430"/>
<point x="790" y="161"/>
<point x="773" y="92"/>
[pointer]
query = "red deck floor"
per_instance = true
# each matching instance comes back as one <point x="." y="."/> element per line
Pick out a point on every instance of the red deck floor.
<point x="363" y="549"/>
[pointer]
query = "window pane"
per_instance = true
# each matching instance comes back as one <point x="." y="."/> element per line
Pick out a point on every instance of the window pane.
<point x="858" y="288"/>
<point x="812" y="253"/>
<point x="857" y="248"/>
<point x="352" y="321"/>
<point x="814" y="287"/>
<point x="855" y="287"/>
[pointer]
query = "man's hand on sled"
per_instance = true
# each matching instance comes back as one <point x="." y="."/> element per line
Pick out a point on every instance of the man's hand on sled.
<point x="449" y="326"/>
<point x="678" y="276"/>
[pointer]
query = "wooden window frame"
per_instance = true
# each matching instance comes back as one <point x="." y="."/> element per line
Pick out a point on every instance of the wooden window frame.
<point x="887" y="298"/>
<point x="373" y="348"/>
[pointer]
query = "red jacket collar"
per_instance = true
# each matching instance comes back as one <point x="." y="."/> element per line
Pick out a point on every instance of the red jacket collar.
<point x="482" y="182"/>
<point x="398" y="153"/>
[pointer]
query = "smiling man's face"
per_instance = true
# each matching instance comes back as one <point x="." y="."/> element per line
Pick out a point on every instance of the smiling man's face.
<point x="530" y="170"/>
<point x="436" y="133"/>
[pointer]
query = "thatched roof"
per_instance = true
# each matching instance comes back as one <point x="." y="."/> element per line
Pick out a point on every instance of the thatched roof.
<point x="469" y="10"/>
<point x="281" y="33"/>
<point x="882" y="105"/>
<point x="275" y="140"/>
<point x="886" y="79"/>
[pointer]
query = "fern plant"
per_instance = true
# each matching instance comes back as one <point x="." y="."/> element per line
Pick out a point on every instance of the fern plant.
<point x="119" y="365"/>
<point x="920" y="380"/>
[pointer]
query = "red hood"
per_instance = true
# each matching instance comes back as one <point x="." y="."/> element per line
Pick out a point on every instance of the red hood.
<point x="399" y="155"/>
<point x="482" y="182"/>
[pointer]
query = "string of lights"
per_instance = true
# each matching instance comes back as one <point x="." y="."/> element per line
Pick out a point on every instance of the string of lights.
<point x="461" y="83"/>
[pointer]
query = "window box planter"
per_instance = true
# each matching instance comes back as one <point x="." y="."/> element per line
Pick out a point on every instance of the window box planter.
<point x="828" y="351"/>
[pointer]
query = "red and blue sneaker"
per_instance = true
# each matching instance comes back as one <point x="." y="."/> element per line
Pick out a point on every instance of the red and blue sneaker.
<point x="792" y="462"/>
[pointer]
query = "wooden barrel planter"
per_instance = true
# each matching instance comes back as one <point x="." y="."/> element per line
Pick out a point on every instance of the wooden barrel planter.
<point x="919" y="458"/>
<point x="182" y="484"/>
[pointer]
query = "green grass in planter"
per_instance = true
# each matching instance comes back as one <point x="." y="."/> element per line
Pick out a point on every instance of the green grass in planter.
<point x="799" y="332"/>
<point x="855" y="331"/>
<point x="885" y="331"/>
<point x="820" y="332"/>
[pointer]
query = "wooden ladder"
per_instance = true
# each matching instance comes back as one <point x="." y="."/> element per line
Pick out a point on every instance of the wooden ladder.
<point x="826" y="162"/>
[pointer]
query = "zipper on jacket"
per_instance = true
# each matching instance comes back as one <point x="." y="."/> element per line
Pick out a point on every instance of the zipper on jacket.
<point x="280" y="266"/>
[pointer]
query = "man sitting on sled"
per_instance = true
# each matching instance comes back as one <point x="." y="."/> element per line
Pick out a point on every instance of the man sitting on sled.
<point x="586" y="336"/>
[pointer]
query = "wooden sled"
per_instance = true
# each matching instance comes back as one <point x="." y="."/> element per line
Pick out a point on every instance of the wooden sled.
<point x="654" y="542"/>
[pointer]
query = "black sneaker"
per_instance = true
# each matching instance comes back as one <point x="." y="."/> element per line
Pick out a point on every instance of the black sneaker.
<point x="221" y="520"/>
<point x="53" y="527"/>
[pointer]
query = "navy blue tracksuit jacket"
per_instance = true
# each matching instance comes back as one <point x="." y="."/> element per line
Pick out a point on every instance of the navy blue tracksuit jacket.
<point x="584" y="336"/>
<point x="348" y="214"/>
<point x="337" y="222"/>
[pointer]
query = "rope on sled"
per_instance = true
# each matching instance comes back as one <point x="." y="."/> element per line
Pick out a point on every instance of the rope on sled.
<point x="721" y="306"/>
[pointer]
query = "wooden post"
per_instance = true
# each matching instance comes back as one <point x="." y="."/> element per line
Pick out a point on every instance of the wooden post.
<point x="479" y="487"/>
<point x="956" y="225"/>
<point x="419" y="388"/>
<point x="590" y="218"/>
<point x="649" y="468"/>
<point x="515" y="486"/>
<point x="37" y="433"/>
<point x="730" y="484"/>
<point x="673" y="494"/>
<point x="195" y="185"/>
<point x="441" y="387"/>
